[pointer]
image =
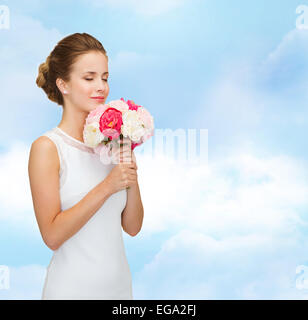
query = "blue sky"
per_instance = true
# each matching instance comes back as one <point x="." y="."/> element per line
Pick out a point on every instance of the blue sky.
<point x="237" y="228"/>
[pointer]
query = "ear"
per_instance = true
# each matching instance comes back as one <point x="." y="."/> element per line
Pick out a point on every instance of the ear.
<point x="61" y="86"/>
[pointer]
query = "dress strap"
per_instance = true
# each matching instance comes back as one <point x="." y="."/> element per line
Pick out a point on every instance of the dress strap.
<point x="72" y="141"/>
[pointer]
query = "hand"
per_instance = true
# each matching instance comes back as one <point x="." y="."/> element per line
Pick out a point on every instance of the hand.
<point x="134" y="158"/>
<point x="122" y="176"/>
<point x="123" y="153"/>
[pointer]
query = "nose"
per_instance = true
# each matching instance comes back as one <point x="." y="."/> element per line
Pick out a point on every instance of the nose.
<point x="101" y="86"/>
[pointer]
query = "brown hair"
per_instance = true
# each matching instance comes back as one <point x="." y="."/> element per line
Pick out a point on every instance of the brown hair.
<point x="59" y="62"/>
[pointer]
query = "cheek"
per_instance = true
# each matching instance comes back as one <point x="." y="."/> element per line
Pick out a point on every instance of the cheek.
<point x="83" y="88"/>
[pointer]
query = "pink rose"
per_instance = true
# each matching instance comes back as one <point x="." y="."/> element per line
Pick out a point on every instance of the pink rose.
<point x="110" y="123"/>
<point x="148" y="122"/>
<point x="135" y="145"/>
<point x="95" y="114"/>
<point x="131" y="104"/>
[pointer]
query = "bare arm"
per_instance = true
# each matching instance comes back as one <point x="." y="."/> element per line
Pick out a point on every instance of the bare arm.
<point x="57" y="226"/>
<point x="132" y="215"/>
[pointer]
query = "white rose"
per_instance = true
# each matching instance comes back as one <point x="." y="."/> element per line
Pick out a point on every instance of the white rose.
<point x="132" y="126"/>
<point x="92" y="135"/>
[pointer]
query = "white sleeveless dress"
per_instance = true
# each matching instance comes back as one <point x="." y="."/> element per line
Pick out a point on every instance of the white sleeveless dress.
<point x="92" y="264"/>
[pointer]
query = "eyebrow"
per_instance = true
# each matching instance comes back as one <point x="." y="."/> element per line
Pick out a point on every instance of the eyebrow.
<point x="93" y="72"/>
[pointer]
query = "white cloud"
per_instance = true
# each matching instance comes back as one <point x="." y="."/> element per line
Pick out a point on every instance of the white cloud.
<point x="25" y="283"/>
<point x="16" y="207"/>
<point x="27" y="42"/>
<point x="285" y="69"/>
<point x="253" y="104"/>
<point x="293" y="44"/>
<point x="238" y="225"/>
<point x="232" y="109"/>
<point x="15" y="194"/>
<point x="241" y="193"/>
<point x="24" y="46"/>
<point x="193" y="265"/>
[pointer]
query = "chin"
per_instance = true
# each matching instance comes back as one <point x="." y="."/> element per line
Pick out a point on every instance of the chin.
<point x="91" y="108"/>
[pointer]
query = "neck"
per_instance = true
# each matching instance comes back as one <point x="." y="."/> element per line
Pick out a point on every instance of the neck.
<point x="73" y="121"/>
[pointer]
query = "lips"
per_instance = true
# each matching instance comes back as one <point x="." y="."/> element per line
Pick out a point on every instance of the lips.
<point x="100" y="98"/>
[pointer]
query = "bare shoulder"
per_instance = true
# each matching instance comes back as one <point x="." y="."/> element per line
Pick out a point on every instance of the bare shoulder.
<point x="43" y="169"/>
<point x="44" y="150"/>
<point x="44" y="143"/>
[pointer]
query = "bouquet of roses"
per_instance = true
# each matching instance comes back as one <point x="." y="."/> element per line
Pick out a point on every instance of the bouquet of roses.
<point x="109" y="123"/>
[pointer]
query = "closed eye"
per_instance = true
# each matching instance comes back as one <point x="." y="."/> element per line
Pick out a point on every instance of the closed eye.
<point x="92" y="79"/>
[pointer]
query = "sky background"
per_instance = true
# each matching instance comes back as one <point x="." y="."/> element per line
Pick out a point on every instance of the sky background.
<point x="232" y="228"/>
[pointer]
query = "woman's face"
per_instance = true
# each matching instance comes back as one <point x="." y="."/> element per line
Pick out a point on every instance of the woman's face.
<point x="88" y="81"/>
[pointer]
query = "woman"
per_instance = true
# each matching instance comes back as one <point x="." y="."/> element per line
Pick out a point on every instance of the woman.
<point x="80" y="203"/>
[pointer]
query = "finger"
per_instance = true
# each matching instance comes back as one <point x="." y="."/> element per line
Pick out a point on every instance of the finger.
<point x="129" y="165"/>
<point x="131" y="161"/>
<point x="132" y="180"/>
<point x="135" y="165"/>
<point x="127" y="156"/>
<point x="124" y="141"/>
<point x="132" y="176"/>
<point x="128" y="162"/>
<point x="125" y="160"/>
<point x="126" y="150"/>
